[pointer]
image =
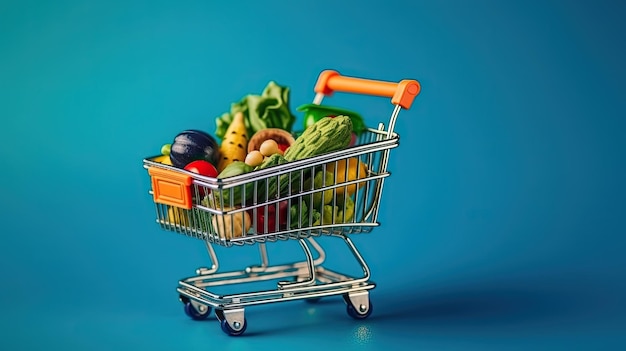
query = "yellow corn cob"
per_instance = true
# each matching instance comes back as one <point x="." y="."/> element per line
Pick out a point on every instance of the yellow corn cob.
<point x="235" y="144"/>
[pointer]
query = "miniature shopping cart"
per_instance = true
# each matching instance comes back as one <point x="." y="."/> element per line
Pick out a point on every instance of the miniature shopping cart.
<point x="225" y="212"/>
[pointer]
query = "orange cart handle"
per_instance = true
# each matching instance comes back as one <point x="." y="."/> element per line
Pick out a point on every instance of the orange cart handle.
<point x="401" y="93"/>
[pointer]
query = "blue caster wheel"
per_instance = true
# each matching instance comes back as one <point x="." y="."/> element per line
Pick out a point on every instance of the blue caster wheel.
<point x="357" y="312"/>
<point x="226" y="328"/>
<point x="194" y="314"/>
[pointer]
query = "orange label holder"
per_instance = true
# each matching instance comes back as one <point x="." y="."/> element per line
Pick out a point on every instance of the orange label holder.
<point x="171" y="188"/>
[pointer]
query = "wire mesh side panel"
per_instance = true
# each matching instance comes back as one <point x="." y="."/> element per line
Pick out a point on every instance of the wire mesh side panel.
<point x="194" y="222"/>
<point x="339" y="194"/>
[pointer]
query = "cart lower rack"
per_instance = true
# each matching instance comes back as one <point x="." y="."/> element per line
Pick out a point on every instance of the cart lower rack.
<point x="296" y="205"/>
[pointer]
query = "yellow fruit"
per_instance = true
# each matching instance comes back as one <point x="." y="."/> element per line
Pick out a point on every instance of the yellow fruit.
<point x="177" y="215"/>
<point x="355" y="170"/>
<point x="164" y="159"/>
<point x="235" y="143"/>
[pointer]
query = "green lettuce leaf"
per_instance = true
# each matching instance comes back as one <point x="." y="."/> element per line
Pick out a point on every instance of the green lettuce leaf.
<point x="268" y="110"/>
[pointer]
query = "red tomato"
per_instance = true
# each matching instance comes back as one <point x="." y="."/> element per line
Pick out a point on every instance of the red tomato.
<point x="204" y="168"/>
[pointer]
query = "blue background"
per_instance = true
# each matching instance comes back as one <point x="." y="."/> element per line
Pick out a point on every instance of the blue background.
<point x="502" y="222"/>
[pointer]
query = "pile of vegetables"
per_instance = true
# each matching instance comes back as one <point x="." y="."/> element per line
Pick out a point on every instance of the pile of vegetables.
<point x="257" y="134"/>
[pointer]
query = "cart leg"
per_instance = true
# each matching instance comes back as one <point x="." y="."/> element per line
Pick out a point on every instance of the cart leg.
<point x="264" y="261"/>
<point x="214" y="262"/>
<point x="359" y="258"/>
<point x="310" y="266"/>
<point x="321" y="254"/>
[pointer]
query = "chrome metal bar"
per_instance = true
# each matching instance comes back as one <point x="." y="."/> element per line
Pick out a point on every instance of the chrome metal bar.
<point x="243" y="276"/>
<point x="392" y="120"/>
<point x="264" y="261"/>
<point x="320" y="252"/>
<point x="214" y="261"/>
<point x="349" y="282"/>
<point x="318" y="98"/>
<point x="359" y="258"/>
<point x="258" y="299"/>
<point x="283" y="284"/>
